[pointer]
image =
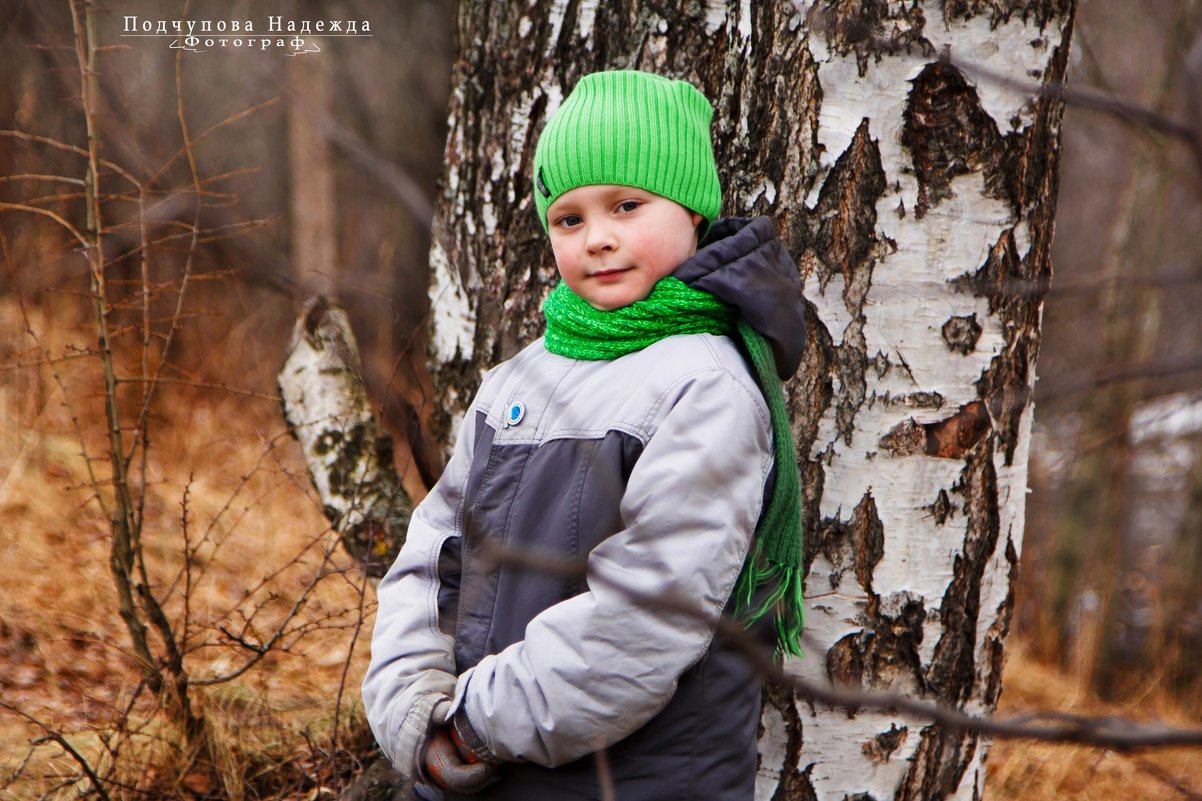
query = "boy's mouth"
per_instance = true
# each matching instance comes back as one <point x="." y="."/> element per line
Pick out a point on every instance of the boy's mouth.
<point x="604" y="274"/>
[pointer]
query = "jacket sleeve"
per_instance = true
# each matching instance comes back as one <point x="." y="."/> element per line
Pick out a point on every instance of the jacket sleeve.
<point x="596" y="667"/>
<point x="412" y="661"/>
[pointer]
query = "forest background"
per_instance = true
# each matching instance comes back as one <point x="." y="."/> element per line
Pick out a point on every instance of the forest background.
<point x="317" y="173"/>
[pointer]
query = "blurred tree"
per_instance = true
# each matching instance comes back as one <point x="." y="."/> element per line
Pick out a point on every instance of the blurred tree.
<point x="1085" y="621"/>
<point x="916" y="192"/>
<point x="1183" y="593"/>
<point x="311" y="169"/>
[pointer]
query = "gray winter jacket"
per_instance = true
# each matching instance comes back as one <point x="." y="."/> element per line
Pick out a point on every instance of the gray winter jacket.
<point x="652" y="467"/>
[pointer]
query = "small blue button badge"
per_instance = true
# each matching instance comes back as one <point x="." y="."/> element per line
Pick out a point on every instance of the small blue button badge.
<point x="515" y="414"/>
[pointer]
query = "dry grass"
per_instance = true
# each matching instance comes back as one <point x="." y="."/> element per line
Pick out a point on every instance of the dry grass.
<point x="1037" y="771"/>
<point x="254" y="524"/>
<point x="63" y="647"/>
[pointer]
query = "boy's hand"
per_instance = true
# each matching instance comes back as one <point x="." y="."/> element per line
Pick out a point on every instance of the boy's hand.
<point x="451" y="771"/>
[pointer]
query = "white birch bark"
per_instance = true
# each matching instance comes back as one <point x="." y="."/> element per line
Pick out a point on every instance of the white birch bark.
<point x="930" y="346"/>
<point x="349" y="457"/>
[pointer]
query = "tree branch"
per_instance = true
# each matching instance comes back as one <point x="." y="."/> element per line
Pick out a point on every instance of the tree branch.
<point x="53" y="735"/>
<point x="1046" y="725"/>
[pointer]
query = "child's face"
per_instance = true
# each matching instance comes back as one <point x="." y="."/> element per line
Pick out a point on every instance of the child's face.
<point x="613" y="243"/>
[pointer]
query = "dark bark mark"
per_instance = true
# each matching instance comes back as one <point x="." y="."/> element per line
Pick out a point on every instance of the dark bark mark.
<point x="870" y="29"/>
<point x="1001" y="11"/>
<point x="893" y="662"/>
<point x="1006" y="385"/>
<point x="962" y="333"/>
<point x="881" y="365"/>
<point x="801" y="789"/>
<point x="857" y="545"/>
<point x="954" y="437"/>
<point x="797" y="787"/>
<point x="952" y="672"/>
<point x="1015" y="285"/>
<point x="793" y="783"/>
<point x="881" y="747"/>
<point x="846" y="215"/>
<point x="907" y="438"/>
<point x="809" y="396"/>
<point x="937" y="766"/>
<point x="941" y="509"/>
<point x="845" y="662"/>
<point x="767" y="118"/>
<point x="1034" y="153"/>
<point x="840" y="235"/>
<point x="813" y="481"/>
<point x="884" y="655"/>
<point x="810" y="391"/>
<point x="868" y="538"/>
<point x="911" y="400"/>
<point x="950" y="438"/>
<point x="994" y="656"/>
<point x="948" y="134"/>
<point x="852" y="386"/>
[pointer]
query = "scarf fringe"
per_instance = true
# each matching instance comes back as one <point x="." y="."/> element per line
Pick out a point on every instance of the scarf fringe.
<point x="785" y="599"/>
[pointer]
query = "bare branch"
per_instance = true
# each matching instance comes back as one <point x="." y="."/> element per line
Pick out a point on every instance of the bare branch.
<point x="79" y="151"/>
<point x="37" y="177"/>
<point x="1104" y="732"/>
<point x="1152" y="769"/>
<point x="280" y="632"/>
<point x="197" y="385"/>
<point x="1094" y="101"/>
<point x="55" y="736"/>
<point x="79" y="237"/>
<point x="186" y="149"/>
<point x="403" y="187"/>
<point x="346" y="666"/>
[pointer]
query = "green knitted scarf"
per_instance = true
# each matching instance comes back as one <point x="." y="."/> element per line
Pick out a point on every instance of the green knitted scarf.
<point x="577" y="330"/>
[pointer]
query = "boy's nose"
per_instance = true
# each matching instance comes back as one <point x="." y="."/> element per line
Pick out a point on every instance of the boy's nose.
<point x="600" y="239"/>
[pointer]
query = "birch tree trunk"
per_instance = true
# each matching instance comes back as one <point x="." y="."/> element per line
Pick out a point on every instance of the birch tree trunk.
<point x="915" y="186"/>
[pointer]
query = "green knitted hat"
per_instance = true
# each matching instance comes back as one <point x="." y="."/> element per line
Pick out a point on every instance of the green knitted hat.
<point x="634" y="129"/>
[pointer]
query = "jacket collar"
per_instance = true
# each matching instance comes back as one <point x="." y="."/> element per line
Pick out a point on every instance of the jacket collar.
<point x="742" y="262"/>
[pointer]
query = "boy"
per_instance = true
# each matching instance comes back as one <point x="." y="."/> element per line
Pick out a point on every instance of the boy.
<point x="636" y="435"/>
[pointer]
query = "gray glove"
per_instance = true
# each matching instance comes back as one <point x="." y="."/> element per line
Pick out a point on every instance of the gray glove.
<point x="451" y="766"/>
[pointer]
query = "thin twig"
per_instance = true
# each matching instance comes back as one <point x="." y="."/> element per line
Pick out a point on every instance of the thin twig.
<point x="79" y="151"/>
<point x="186" y="149"/>
<point x="38" y="177"/>
<point x="79" y="237"/>
<point x="276" y="636"/>
<point x="52" y="734"/>
<point x="1152" y="769"/>
<point x="346" y="666"/>
<point x="198" y="385"/>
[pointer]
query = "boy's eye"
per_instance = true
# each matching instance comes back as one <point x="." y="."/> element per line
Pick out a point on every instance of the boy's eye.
<point x="628" y="205"/>
<point x="569" y="221"/>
